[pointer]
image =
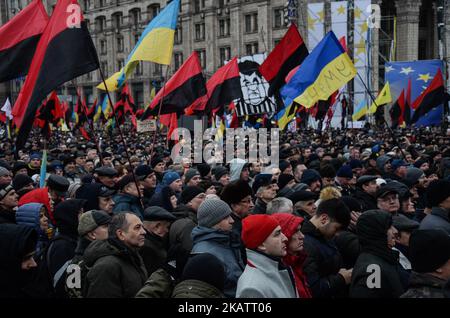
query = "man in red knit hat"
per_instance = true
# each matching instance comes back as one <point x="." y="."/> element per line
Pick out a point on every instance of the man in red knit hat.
<point x="265" y="276"/>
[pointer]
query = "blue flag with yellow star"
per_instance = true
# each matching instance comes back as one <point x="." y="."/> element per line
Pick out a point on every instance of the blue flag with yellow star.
<point x="420" y="72"/>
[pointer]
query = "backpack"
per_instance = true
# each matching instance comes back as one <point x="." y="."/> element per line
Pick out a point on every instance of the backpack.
<point x="43" y="284"/>
<point x="74" y="291"/>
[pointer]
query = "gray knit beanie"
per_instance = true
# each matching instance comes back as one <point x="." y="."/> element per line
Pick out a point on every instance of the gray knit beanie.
<point x="212" y="212"/>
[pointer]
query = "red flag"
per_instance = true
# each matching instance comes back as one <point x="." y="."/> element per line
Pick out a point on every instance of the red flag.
<point x="184" y="89"/>
<point x="170" y="121"/>
<point x="289" y="53"/>
<point x="433" y="96"/>
<point x="234" y="120"/>
<point x="343" y="43"/>
<point x="19" y="38"/>
<point x="396" y="111"/>
<point x="223" y="87"/>
<point x="84" y="133"/>
<point x="65" y="51"/>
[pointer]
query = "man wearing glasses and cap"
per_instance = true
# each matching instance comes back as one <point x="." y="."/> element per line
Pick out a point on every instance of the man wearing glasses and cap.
<point x="388" y="199"/>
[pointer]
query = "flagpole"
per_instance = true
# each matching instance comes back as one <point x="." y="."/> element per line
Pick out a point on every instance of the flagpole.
<point x="91" y="125"/>
<point x="159" y="114"/>
<point x="122" y="139"/>
<point x="384" y="119"/>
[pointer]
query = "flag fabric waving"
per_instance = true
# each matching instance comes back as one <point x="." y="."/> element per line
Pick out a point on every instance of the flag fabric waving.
<point x="383" y="98"/>
<point x="288" y="54"/>
<point x="326" y="69"/>
<point x="154" y="45"/>
<point x="19" y="38"/>
<point x="223" y="87"/>
<point x="64" y="52"/>
<point x="185" y="87"/>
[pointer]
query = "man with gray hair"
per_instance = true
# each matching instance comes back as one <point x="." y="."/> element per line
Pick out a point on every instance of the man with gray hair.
<point x="116" y="268"/>
<point x="280" y="205"/>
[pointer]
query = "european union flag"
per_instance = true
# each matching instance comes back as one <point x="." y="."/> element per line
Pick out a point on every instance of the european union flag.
<point x="420" y="72"/>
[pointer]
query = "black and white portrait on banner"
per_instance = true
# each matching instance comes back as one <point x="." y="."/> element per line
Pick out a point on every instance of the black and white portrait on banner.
<point x="254" y="88"/>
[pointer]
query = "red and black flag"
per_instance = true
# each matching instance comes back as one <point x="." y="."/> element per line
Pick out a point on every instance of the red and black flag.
<point x="64" y="52"/>
<point x="289" y="53"/>
<point x="92" y="111"/>
<point x="406" y="111"/>
<point x="223" y="87"/>
<point x="432" y="97"/>
<point x="80" y="111"/>
<point x="125" y="105"/>
<point x="184" y="88"/>
<point x="49" y="113"/>
<point x="18" y="40"/>
<point x="396" y="110"/>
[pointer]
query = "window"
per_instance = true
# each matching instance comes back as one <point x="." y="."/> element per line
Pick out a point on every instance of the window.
<point x="196" y="6"/>
<point x="153" y="11"/>
<point x="278" y="18"/>
<point x="87" y="4"/>
<point x="120" y="64"/>
<point x="224" y="27"/>
<point x="251" y="48"/>
<point x="202" y="55"/>
<point x="120" y="43"/>
<point x="135" y="17"/>
<point x="139" y="68"/>
<point x="157" y="70"/>
<point x="100" y="24"/>
<point x="138" y="93"/>
<point x="178" y="60"/>
<point x="103" y="47"/>
<point x="178" y="35"/>
<point x="199" y="31"/>
<point x="225" y="54"/>
<point x="104" y="66"/>
<point x="89" y="76"/>
<point x="251" y="22"/>
<point x="117" y="19"/>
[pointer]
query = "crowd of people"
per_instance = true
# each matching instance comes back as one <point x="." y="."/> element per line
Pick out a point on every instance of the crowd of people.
<point x="346" y="213"/>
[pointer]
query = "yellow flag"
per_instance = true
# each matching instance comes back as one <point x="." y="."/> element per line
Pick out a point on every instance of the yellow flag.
<point x="384" y="97"/>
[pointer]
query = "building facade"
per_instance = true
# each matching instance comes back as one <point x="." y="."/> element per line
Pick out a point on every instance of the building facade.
<point x="221" y="29"/>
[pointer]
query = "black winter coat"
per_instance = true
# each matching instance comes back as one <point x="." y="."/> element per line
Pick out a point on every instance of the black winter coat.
<point x="372" y="230"/>
<point x="322" y="264"/>
<point x="367" y="201"/>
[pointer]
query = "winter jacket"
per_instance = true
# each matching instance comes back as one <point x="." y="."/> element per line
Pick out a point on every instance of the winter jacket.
<point x="192" y="288"/>
<point x="159" y="285"/>
<point x="29" y="214"/>
<point x="260" y="207"/>
<point x="438" y="219"/>
<point x="426" y="286"/>
<point x="372" y="234"/>
<point x="162" y="199"/>
<point x="265" y="277"/>
<point x="219" y="244"/>
<point x="154" y="252"/>
<point x="181" y="229"/>
<point x="7" y="216"/>
<point x="348" y="245"/>
<point x="127" y="203"/>
<point x="116" y="270"/>
<point x="236" y="166"/>
<point x="367" y="201"/>
<point x="13" y="242"/>
<point x="322" y="264"/>
<point x="236" y="235"/>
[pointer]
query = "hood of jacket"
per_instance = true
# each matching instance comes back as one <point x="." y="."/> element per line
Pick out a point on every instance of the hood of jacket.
<point x="29" y="214"/>
<point x="371" y="228"/>
<point x="184" y="211"/>
<point x="126" y="198"/>
<point x="15" y="242"/>
<point x="381" y="161"/>
<point x="192" y="288"/>
<point x="66" y="216"/>
<point x="38" y="196"/>
<point x="236" y="166"/>
<point x="201" y="233"/>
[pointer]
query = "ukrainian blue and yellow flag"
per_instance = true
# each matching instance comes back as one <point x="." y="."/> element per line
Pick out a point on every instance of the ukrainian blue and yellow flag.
<point x="360" y="110"/>
<point x="285" y="116"/>
<point x="106" y="107"/>
<point x="325" y="70"/>
<point x="155" y="45"/>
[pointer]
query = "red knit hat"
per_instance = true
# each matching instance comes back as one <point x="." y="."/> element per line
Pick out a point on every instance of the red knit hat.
<point x="289" y="223"/>
<point x="256" y="228"/>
